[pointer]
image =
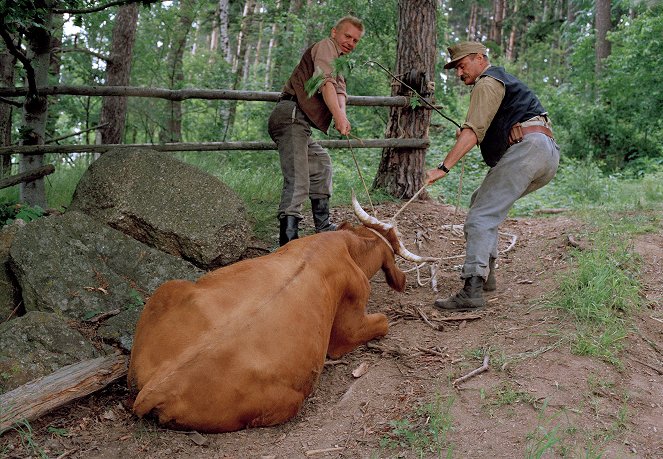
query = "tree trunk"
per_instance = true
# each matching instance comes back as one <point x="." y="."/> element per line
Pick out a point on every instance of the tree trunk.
<point x="239" y="63"/>
<point x="499" y="7"/>
<point x="400" y="172"/>
<point x="603" y="25"/>
<point x="35" y="107"/>
<point x="118" y="71"/>
<point x="7" y="62"/>
<point x="511" y="45"/>
<point x="176" y="74"/>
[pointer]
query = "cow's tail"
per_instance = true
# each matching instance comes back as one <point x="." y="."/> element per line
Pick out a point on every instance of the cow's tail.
<point x="149" y="400"/>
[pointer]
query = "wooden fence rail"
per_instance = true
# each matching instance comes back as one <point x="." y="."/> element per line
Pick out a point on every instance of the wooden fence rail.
<point x="184" y="94"/>
<point x="210" y="146"/>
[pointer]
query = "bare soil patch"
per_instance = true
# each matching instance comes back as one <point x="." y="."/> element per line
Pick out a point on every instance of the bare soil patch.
<point x="535" y="390"/>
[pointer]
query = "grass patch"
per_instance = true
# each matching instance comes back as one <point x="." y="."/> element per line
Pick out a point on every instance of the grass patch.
<point x="425" y="432"/>
<point x="600" y="292"/>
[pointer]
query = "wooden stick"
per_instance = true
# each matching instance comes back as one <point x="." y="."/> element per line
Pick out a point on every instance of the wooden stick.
<point x="660" y="372"/>
<point x="473" y="373"/>
<point x="38" y="397"/>
<point x="425" y="319"/>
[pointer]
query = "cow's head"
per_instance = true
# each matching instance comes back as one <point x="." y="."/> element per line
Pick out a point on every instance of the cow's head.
<point x="389" y="234"/>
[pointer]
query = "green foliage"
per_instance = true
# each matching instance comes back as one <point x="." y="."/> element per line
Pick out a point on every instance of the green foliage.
<point x="425" y="433"/>
<point x="15" y="211"/>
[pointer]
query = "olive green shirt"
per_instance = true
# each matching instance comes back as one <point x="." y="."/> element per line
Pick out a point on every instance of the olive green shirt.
<point x="485" y="100"/>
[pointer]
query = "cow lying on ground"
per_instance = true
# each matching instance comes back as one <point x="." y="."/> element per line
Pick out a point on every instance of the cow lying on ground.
<point x="245" y="344"/>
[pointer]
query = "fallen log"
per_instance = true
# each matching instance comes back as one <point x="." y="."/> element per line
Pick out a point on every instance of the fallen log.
<point x="38" y="397"/>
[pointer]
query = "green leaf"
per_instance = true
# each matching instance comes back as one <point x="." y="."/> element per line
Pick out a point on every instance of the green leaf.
<point x="314" y="83"/>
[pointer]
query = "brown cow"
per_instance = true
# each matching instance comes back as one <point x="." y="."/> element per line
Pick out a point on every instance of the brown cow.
<point x="245" y="344"/>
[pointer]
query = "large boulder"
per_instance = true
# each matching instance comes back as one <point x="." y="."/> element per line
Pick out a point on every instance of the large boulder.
<point x="79" y="268"/>
<point x="9" y="294"/>
<point x="37" y="344"/>
<point x="167" y="204"/>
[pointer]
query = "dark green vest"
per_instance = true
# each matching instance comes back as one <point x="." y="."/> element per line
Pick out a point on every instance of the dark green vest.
<point x="519" y="104"/>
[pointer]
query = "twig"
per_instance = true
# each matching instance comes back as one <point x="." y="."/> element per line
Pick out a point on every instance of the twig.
<point x="425" y="319"/>
<point x="313" y="452"/>
<point x="656" y="319"/>
<point x="431" y="351"/>
<point x="473" y="373"/>
<point x="103" y="316"/>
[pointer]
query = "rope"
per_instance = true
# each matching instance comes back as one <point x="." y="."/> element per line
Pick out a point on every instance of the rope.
<point x="361" y="176"/>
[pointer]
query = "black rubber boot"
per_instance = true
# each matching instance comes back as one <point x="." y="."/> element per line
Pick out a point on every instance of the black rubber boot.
<point x="288" y="229"/>
<point x="491" y="283"/>
<point x="468" y="299"/>
<point x="320" y="209"/>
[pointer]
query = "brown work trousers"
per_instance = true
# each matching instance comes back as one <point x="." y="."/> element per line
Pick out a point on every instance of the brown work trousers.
<point x="306" y="166"/>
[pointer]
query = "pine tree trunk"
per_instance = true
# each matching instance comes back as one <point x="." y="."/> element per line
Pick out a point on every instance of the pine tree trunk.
<point x="603" y="25"/>
<point x="175" y="62"/>
<point x="401" y="171"/>
<point x="239" y="64"/>
<point x="7" y="61"/>
<point x="118" y="71"/>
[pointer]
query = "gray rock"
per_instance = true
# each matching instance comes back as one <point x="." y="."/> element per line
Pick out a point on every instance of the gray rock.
<point x="167" y="204"/>
<point x="37" y="344"/>
<point x="77" y="267"/>
<point x="9" y="292"/>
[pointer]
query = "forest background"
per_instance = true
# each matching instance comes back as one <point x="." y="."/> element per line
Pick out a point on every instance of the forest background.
<point x="594" y="65"/>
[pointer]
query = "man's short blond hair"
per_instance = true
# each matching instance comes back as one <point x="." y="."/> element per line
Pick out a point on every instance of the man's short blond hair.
<point x="352" y="20"/>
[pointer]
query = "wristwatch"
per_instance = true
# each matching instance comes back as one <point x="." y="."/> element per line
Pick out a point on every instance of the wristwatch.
<point x="443" y="168"/>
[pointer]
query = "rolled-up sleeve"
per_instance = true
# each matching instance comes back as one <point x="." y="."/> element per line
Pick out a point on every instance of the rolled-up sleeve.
<point x="324" y="53"/>
<point x="485" y="100"/>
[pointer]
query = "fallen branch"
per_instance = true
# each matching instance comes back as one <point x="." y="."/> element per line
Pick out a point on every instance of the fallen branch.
<point x="473" y="373"/>
<point x="38" y="397"/>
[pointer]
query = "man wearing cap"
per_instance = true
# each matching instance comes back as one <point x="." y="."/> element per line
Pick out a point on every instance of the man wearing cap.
<point x="306" y="166"/>
<point x="513" y="131"/>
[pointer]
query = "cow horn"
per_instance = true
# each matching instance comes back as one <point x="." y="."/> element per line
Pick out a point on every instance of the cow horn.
<point x="409" y="256"/>
<point x="372" y="222"/>
<point x="365" y="218"/>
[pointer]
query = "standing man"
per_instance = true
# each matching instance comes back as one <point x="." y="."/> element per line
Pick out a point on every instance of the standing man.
<point x="513" y="131"/>
<point x="306" y="166"/>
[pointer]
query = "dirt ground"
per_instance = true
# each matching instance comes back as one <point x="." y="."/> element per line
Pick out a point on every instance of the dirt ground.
<point x="536" y="399"/>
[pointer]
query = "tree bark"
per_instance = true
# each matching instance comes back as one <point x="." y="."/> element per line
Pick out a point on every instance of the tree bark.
<point x="399" y="174"/>
<point x="603" y="25"/>
<point x="118" y="71"/>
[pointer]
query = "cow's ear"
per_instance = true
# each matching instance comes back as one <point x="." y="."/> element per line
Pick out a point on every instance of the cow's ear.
<point x="395" y="277"/>
<point x="344" y="225"/>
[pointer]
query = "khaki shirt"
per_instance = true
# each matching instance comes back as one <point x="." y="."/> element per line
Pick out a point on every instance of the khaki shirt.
<point x="485" y="100"/>
<point x="324" y="53"/>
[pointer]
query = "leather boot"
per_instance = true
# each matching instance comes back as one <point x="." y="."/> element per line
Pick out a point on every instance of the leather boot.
<point x="320" y="209"/>
<point x="491" y="283"/>
<point x="470" y="298"/>
<point x="288" y="229"/>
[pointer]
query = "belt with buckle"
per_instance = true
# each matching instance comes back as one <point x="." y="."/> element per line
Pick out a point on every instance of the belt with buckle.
<point x="518" y="132"/>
